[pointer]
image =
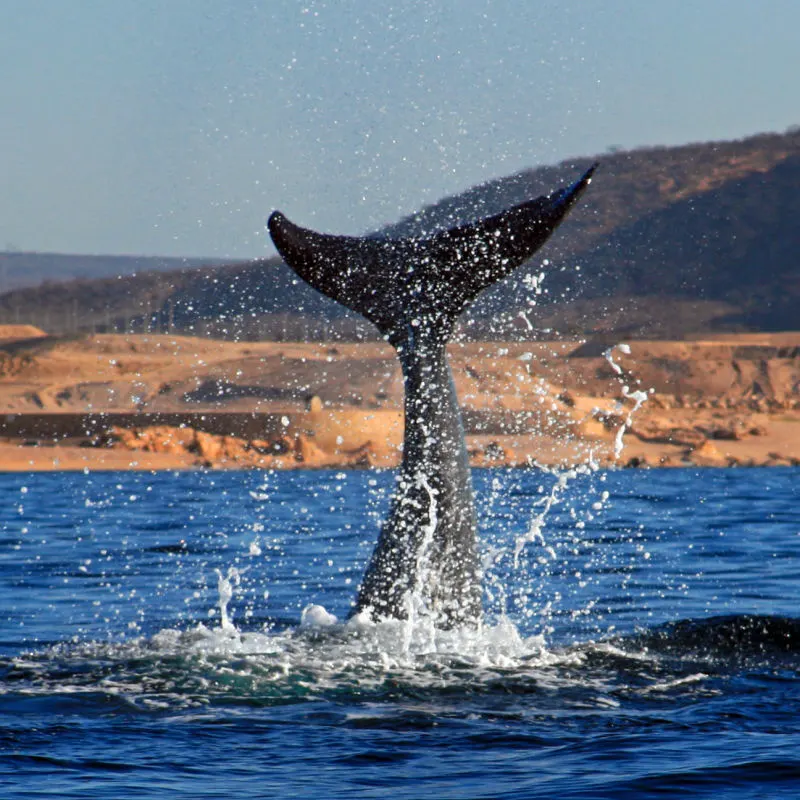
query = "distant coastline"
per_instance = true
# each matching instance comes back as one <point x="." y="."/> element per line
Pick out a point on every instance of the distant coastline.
<point x="111" y="402"/>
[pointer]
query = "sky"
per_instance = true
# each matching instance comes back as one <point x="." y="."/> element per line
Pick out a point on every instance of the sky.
<point x="174" y="127"/>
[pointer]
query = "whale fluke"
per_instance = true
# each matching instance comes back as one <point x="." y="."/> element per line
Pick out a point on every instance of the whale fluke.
<point x="394" y="281"/>
<point x="413" y="290"/>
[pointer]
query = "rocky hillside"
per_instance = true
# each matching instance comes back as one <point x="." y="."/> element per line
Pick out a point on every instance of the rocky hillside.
<point x="668" y="242"/>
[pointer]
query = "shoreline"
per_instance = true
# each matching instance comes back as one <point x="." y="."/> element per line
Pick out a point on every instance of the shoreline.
<point x="142" y="402"/>
<point x="340" y="439"/>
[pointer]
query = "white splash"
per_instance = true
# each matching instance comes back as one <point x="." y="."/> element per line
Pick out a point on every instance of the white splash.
<point x="225" y="586"/>
<point x="638" y="396"/>
<point x="316" y="616"/>
<point x="420" y="619"/>
<point x="423" y="571"/>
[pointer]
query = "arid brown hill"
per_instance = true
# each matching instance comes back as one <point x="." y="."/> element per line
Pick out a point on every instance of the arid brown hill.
<point x="669" y="242"/>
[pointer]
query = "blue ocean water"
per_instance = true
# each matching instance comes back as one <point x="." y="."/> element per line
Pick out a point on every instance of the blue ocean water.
<point x="642" y="640"/>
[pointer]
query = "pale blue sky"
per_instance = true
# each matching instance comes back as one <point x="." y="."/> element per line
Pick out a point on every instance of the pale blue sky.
<point x="175" y="126"/>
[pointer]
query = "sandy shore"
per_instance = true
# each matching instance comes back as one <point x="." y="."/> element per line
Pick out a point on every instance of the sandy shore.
<point x="777" y="446"/>
<point x="163" y="403"/>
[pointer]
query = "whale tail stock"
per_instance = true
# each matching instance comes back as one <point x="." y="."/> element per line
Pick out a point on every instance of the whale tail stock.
<point x="413" y="290"/>
<point x="398" y="284"/>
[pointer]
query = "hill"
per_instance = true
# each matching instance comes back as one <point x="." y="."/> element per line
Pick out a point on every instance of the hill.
<point x="20" y="269"/>
<point x="669" y="242"/>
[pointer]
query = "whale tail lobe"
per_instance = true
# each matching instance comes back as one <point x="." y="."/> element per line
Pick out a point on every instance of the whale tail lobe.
<point x="401" y="284"/>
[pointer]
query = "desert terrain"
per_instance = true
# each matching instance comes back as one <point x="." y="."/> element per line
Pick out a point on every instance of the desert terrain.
<point x="108" y="402"/>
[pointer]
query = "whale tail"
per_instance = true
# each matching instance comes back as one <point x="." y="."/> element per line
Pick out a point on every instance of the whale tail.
<point x="413" y="290"/>
<point x="402" y="284"/>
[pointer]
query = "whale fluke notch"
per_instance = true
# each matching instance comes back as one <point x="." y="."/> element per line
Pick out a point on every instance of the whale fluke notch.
<point x="393" y="281"/>
<point x="413" y="290"/>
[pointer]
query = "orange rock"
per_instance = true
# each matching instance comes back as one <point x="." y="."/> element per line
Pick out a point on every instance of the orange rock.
<point x="656" y="430"/>
<point x="706" y="455"/>
<point x="308" y="453"/>
<point x="733" y="429"/>
<point x="126" y="438"/>
<point x="10" y="333"/>
<point x="207" y="446"/>
<point x="155" y="439"/>
<point x="363" y="456"/>
<point x="165" y="439"/>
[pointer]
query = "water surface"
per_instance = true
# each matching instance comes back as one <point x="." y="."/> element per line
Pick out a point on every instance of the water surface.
<point x="641" y="640"/>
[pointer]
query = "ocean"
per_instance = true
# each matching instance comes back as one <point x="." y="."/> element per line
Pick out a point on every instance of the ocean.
<point x="187" y="635"/>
